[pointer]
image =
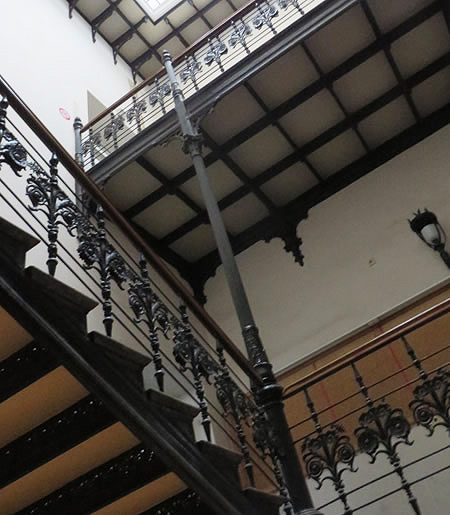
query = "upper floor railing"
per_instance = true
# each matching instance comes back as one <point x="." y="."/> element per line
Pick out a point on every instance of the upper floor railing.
<point x="238" y="37"/>
<point x="373" y="425"/>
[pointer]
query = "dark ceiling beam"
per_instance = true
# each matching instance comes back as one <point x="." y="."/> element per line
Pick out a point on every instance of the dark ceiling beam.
<point x="296" y="208"/>
<point x="199" y="14"/>
<point x="390" y="58"/>
<point x="173" y="190"/>
<point x="118" y="43"/>
<point x="330" y="88"/>
<point x="103" y="16"/>
<point x="321" y="140"/>
<point x="99" y="32"/>
<point x="283" y="131"/>
<point x="72" y="5"/>
<point x="304" y="95"/>
<point x="445" y="6"/>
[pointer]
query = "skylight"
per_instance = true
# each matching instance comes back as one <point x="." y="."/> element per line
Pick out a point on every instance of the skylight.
<point x="157" y="8"/>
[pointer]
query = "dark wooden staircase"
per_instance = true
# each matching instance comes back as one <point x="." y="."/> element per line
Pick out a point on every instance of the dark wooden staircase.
<point x="78" y="432"/>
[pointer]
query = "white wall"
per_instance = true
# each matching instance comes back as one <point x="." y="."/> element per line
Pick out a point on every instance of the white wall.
<point x="51" y="62"/>
<point x="300" y="310"/>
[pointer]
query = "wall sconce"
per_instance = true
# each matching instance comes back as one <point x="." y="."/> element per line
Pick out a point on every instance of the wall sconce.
<point x="425" y="224"/>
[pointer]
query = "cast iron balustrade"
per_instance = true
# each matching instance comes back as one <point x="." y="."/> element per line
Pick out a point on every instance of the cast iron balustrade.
<point x="82" y="241"/>
<point x="367" y="409"/>
<point x="227" y="45"/>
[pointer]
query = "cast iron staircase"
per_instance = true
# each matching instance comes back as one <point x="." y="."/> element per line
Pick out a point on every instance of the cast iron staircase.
<point x="79" y="433"/>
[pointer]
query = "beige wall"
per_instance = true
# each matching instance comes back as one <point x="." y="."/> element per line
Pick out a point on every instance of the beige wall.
<point x="303" y="310"/>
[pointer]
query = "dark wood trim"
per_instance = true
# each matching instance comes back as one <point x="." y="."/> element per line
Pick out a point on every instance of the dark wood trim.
<point x="384" y="339"/>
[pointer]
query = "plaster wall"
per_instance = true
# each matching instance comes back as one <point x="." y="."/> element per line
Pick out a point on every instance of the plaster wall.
<point x="361" y="258"/>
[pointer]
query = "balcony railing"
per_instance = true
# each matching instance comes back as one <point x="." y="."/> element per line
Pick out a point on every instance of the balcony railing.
<point x="373" y="426"/>
<point x="219" y="51"/>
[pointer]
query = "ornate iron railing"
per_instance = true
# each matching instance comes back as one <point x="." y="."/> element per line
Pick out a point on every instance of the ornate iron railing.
<point x="234" y="40"/>
<point x="193" y="360"/>
<point x="376" y="401"/>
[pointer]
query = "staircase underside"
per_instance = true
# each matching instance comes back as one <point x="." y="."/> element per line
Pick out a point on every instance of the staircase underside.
<point x="78" y="433"/>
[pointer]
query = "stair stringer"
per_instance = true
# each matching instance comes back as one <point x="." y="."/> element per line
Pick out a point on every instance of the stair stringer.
<point x="68" y="338"/>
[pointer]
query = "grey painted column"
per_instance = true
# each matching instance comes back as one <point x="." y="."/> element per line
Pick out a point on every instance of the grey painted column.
<point x="269" y="397"/>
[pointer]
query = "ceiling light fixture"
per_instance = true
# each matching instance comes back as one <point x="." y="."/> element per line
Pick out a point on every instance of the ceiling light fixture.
<point x="425" y="224"/>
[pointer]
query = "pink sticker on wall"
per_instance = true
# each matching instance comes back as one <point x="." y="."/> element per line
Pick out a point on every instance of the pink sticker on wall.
<point x="64" y="113"/>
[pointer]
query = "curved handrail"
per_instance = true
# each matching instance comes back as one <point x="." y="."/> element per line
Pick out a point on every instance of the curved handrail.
<point x="367" y="348"/>
<point x="190" y="49"/>
<point x="116" y="217"/>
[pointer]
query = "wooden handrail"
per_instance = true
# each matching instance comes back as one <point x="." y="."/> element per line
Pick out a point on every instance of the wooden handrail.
<point x="192" y="48"/>
<point x="116" y="217"/>
<point x="367" y="348"/>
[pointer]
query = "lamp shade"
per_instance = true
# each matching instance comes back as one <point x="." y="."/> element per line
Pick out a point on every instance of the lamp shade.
<point x="426" y="226"/>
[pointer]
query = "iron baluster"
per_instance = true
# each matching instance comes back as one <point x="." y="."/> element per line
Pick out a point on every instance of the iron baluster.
<point x="385" y="427"/>
<point x="431" y="404"/>
<point x="215" y="53"/>
<point x="268" y="443"/>
<point x="143" y="302"/>
<point x="191" y="356"/>
<point x="113" y="128"/>
<point x="284" y="4"/>
<point x="239" y="35"/>
<point x="97" y="253"/>
<point x="158" y="96"/>
<point x="234" y="401"/>
<point x="265" y="16"/>
<point x="135" y="112"/>
<point x="3" y="112"/>
<point x="89" y="146"/>
<point x="189" y="72"/>
<point x="325" y="452"/>
<point x="46" y="197"/>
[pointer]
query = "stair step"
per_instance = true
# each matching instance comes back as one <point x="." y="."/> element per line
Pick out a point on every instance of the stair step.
<point x="49" y="292"/>
<point x="102" y="485"/>
<point x="180" y="413"/>
<point x="24" y="367"/>
<point x="187" y="502"/>
<point x="15" y="244"/>
<point x="129" y="361"/>
<point x="55" y="436"/>
<point x="228" y="460"/>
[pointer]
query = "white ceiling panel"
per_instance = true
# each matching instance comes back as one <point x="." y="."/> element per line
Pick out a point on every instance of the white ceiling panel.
<point x="113" y="27"/>
<point x="261" y="151"/>
<point x="164" y="216"/>
<point x="169" y="159"/>
<point x="92" y="9"/>
<point x="390" y="13"/>
<point x="289" y="184"/>
<point x="312" y="117"/>
<point x="336" y="154"/>
<point x="221" y="126"/>
<point x="387" y="122"/>
<point x="422" y="45"/>
<point x="194" y="31"/>
<point x="195" y="244"/>
<point x="365" y="83"/>
<point x="129" y="186"/>
<point x="222" y="179"/>
<point x="292" y="73"/>
<point x="348" y="33"/>
<point x="243" y="214"/>
<point x="433" y="93"/>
